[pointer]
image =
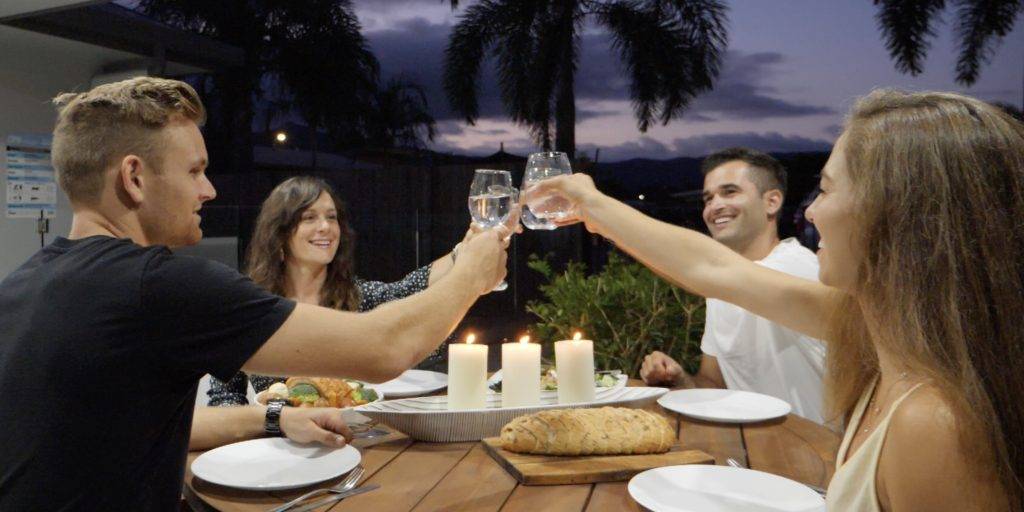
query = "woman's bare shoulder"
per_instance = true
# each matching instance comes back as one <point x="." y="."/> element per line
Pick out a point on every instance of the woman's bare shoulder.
<point x="923" y="465"/>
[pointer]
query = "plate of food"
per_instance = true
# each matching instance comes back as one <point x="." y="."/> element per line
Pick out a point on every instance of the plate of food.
<point x="321" y="392"/>
<point x="604" y="380"/>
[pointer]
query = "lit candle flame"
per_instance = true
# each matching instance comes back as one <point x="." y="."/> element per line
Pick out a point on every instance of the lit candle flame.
<point x="578" y="336"/>
<point x="470" y="338"/>
<point x="524" y="339"/>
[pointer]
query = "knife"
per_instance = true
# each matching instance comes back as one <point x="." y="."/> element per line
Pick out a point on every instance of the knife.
<point x="337" y="497"/>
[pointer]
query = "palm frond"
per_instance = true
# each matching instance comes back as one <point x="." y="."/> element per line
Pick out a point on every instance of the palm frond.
<point x="519" y="53"/>
<point x="981" y="26"/>
<point x="672" y="51"/>
<point x="403" y="115"/>
<point x="467" y="47"/>
<point x="327" y="91"/>
<point x="906" y="26"/>
<point x="540" y="76"/>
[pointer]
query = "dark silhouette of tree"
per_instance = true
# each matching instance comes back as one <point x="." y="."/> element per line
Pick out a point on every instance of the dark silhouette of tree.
<point x="908" y="27"/>
<point x="325" y="63"/>
<point x="315" y="62"/>
<point x="671" y="50"/>
<point x="400" y="116"/>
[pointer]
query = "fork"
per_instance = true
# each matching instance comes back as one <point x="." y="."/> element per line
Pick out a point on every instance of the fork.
<point x="347" y="484"/>
<point x="734" y="463"/>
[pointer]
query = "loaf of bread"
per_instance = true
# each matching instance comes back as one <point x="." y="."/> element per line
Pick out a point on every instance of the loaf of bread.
<point x="604" y="431"/>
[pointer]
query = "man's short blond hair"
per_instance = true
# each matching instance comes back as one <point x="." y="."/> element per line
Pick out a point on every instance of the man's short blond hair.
<point x="96" y="129"/>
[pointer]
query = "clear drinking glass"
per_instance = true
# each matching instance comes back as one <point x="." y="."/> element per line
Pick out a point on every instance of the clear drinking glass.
<point x="532" y="221"/>
<point x="491" y="198"/>
<point x="539" y="167"/>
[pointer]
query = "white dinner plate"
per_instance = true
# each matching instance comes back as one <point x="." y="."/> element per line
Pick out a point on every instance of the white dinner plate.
<point x="702" y="488"/>
<point x="273" y="463"/>
<point x="724" y="405"/>
<point x="413" y="383"/>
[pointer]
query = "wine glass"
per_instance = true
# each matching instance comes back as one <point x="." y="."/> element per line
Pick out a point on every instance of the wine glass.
<point x="539" y="167"/>
<point x="532" y="221"/>
<point x="490" y="201"/>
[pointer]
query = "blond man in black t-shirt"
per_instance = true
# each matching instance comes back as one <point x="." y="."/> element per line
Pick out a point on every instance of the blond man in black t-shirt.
<point x="105" y="334"/>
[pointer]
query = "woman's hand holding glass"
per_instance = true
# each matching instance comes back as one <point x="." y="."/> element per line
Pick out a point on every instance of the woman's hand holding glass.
<point x="578" y="193"/>
<point x="545" y="209"/>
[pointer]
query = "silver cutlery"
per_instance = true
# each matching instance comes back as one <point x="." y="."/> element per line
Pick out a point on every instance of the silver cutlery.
<point x="345" y="485"/>
<point x="336" y="498"/>
<point x="734" y="463"/>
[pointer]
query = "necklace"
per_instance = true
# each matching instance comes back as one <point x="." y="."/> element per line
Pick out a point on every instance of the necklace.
<point x="873" y="404"/>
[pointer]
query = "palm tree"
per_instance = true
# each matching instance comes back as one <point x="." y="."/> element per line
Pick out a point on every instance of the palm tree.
<point x="907" y="26"/>
<point x="324" y="63"/>
<point x="400" y="116"/>
<point x="672" y="51"/>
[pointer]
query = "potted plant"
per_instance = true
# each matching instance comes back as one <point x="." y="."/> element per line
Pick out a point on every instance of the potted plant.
<point x="626" y="309"/>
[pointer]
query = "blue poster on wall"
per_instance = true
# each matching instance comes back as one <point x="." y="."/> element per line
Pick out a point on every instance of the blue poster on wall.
<point x="31" y="181"/>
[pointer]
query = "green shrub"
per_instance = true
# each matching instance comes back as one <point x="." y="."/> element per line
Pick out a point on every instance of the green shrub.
<point x="626" y="309"/>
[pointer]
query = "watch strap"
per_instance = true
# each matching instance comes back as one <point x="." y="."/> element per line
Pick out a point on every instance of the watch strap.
<point x="272" y="423"/>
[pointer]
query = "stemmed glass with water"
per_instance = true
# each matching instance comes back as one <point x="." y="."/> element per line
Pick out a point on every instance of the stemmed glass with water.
<point x="492" y="202"/>
<point x="542" y="211"/>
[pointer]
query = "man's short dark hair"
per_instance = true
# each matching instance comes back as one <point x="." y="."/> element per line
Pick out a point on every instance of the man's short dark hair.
<point x="769" y="173"/>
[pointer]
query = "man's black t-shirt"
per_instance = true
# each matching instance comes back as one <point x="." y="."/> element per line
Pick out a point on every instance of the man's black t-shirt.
<point x="102" y="344"/>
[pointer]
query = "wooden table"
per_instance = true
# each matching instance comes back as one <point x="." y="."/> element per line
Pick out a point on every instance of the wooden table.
<point x="420" y="477"/>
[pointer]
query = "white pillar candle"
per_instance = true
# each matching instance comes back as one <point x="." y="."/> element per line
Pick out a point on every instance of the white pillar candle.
<point x="467" y="375"/>
<point x="574" y="364"/>
<point x="520" y="373"/>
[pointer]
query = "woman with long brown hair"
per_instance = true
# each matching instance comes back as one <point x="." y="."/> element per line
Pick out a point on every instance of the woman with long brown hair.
<point x="921" y="216"/>
<point x="303" y="248"/>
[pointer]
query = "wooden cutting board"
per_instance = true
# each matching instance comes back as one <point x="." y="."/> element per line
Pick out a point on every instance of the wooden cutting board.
<point x="557" y="470"/>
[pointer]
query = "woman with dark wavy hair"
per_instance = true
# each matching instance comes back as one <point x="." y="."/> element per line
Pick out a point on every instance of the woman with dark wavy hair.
<point x="303" y="248"/>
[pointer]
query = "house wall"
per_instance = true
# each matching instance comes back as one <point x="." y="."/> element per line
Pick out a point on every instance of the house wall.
<point x="33" y="69"/>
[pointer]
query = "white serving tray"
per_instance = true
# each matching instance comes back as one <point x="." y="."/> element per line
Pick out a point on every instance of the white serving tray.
<point x="428" y="418"/>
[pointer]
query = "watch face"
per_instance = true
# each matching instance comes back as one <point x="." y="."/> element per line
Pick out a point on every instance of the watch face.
<point x="277" y="401"/>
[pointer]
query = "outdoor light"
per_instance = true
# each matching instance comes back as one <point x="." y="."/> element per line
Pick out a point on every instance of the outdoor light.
<point x="281" y="137"/>
<point x="641" y="197"/>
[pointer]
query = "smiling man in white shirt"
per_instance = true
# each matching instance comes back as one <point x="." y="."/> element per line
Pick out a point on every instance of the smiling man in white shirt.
<point x="743" y="194"/>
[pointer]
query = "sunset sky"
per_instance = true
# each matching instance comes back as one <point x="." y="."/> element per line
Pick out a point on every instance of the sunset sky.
<point x="792" y="69"/>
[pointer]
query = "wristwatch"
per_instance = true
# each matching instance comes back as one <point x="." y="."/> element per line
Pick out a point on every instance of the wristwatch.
<point x="272" y="423"/>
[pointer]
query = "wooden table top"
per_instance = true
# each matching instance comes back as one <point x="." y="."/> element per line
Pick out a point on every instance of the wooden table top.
<point x="421" y="477"/>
